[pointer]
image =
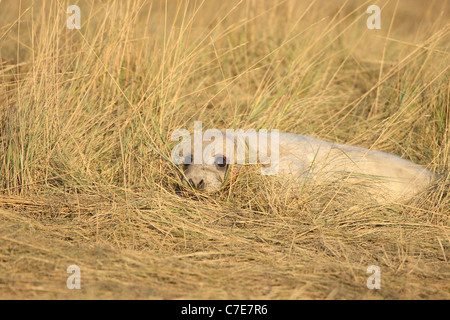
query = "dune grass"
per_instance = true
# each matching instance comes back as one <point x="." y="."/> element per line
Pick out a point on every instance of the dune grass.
<point x="85" y="123"/>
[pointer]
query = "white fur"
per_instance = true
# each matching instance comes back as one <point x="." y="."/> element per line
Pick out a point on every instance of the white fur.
<point x="306" y="160"/>
<point x="317" y="162"/>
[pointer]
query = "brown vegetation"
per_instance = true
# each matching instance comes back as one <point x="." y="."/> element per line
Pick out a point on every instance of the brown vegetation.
<point x="85" y="123"/>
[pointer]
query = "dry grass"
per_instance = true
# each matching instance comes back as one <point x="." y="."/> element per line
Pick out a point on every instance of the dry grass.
<point x="85" y="123"/>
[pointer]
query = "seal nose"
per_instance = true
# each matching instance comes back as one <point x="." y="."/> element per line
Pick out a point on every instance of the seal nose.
<point x="199" y="185"/>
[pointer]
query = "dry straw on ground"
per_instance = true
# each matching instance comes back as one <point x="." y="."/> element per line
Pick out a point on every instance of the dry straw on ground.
<point x="85" y="123"/>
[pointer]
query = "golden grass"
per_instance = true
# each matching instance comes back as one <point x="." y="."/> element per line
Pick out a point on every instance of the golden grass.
<point x="85" y="123"/>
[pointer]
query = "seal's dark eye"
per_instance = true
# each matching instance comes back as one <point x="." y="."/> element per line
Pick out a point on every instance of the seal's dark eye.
<point x="221" y="161"/>
<point x="188" y="160"/>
